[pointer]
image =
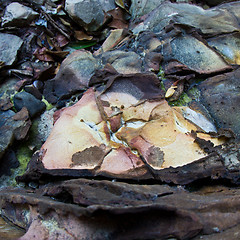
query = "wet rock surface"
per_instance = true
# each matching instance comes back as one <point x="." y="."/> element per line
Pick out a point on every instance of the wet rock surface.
<point x="134" y="130"/>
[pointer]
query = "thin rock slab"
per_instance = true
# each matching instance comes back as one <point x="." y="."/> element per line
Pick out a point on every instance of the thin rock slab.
<point x="95" y="209"/>
<point x="207" y="21"/>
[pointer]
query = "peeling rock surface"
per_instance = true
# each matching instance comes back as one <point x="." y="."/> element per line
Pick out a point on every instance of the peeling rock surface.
<point x="120" y="119"/>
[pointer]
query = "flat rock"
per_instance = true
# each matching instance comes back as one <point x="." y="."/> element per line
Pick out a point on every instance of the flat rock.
<point x="207" y="21"/>
<point x="17" y="14"/>
<point x="89" y="14"/>
<point x="115" y="210"/>
<point x="128" y="130"/>
<point x="33" y="105"/>
<point x="9" y="47"/>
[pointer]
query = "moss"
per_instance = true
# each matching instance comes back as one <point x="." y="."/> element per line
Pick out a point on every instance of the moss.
<point x="49" y="106"/>
<point x="161" y="74"/>
<point x="183" y="100"/>
<point x="194" y="93"/>
<point x="24" y="155"/>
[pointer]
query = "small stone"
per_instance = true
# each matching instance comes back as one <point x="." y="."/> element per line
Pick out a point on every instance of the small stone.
<point x="11" y="129"/>
<point x="17" y="15"/>
<point x="89" y="14"/>
<point x="9" y="47"/>
<point x="33" y="105"/>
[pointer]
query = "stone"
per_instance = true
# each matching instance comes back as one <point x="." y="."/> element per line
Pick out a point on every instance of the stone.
<point x="73" y="76"/>
<point x="220" y="96"/>
<point x="9" y="47"/>
<point x="12" y="126"/>
<point x="142" y="7"/>
<point x="124" y="62"/>
<point x="103" y="209"/>
<point x="33" y="105"/>
<point x="128" y="130"/>
<point x="89" y="14"/>
<point x="193" y="16"/>
<point x="19" y="15"/>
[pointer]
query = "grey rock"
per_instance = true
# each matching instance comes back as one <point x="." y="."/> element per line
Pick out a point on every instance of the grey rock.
<point x="74" y="75"/>
<point x="89" y="13"/>
<point x="9" y="47"/>
<point x="33" y="105"/>
<point x="123" y="62"/>
<point x="183" y="13"/>
<point x="18" y="15"/>
<point x="10" y="129"/>
<point x="142" y="7"/>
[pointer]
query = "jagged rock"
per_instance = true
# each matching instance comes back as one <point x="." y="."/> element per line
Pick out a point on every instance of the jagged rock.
<point x="17" y="14"/>
<point x="25" y="99"/>
<point x="89" y="13"/>
<point x="74" y="75"/>
<point x="9" y="47"/>
<point x="13" y="126"/>
<point x="207" y="21"/>
<point x="115" y="210"/>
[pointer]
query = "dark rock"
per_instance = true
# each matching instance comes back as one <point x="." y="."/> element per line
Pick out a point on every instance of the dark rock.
<point x="220" y="96"/>
<point x="115" y="210"/>
<point x="9" y="47"/>
<point x="8" y="162"/>
<point x="73" y="76"/>
<point x="17" y="14"/>
<point x="207" y="21"/>
<point x="34" y="91"/>
<point x="12" y="126"/>
<point x="89" y="13"/>
<point x="24" y="99"/>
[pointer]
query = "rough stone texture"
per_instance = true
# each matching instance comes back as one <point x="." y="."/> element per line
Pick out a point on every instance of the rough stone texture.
<point x="74" y="75"/>
<point x="89" y="13"/>
<point x="114" y="210"/>
<point x="220" y="96"/>
<point x="9" y="47"/>
<point x="33" y="105"/>
<point x="18" y="15"/>
<point x="142" y="7"/>
<point x="207" y="21"/>
<point x="135" y="133"/>
<point x="12" y="126"/>
<point x="124" y="62"/>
